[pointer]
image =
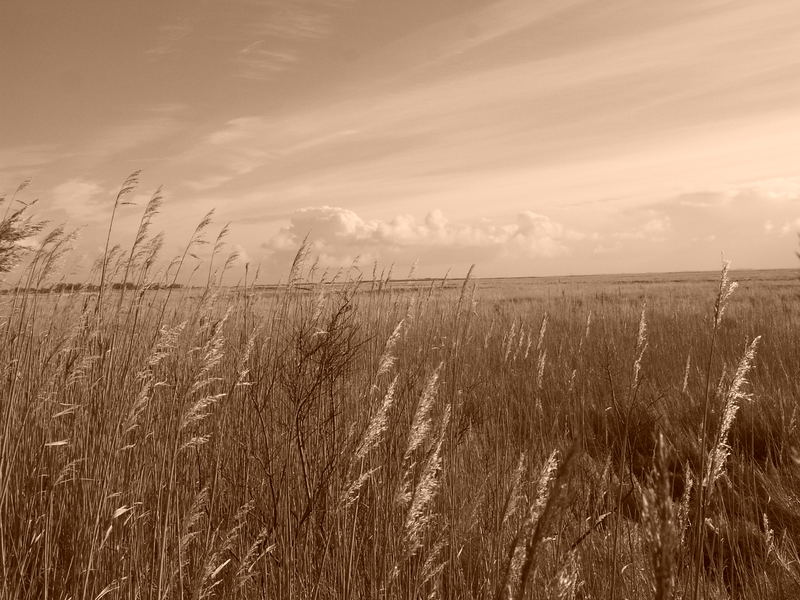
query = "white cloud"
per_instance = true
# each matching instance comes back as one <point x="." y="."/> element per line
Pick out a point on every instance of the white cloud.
<point x="170" y="37"/>
<point x="27" y="157"/>
<point x="654" y="229"/>
<point x="339" y="232"/>
<point x="236" y="130"/>
<point x="608" y="248"/>
<point x="706" y="199"/>
<point x="275" y="40"/>
<point x="657" y="226"/>
<point x="791" y="226"/>
<point x="293" y="22"/>
<point x="258" y="61"/>
<point x="132" y="134"/>
<point x="208" y="183"/>
<point x="79" y="199"/>
<point x="776" y="189"/>
<point x="242" y="253"/>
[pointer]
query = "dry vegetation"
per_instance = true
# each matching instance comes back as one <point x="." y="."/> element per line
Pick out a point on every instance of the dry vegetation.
<point x="338" y="438"/>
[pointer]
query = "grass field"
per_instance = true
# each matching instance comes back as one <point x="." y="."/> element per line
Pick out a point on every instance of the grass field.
<point x="597" y="437"/>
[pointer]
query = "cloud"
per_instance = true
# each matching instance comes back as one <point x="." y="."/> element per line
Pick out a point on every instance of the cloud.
<point x="734" y="211"/>
<point x="275" y="41"/>
<point x="206" y="183"/>
<point x="18" y="162"/>
<point x="292" y="22"/>
<point x="657" y="225"/>
<point x="776" y="189"/>
<point x="242" y="254"/>
<point x="773" y="191"/>
<point x="339" y="234"/>
<point x="607" y="248"/>
<point x="78" y="198"/>
<point x="236" y="130"/>
<point x="169" y="38"/>
<point x="654" y="229"/>
<point x="791" y="227"/>
<point x="132" y="134"/>
<point x="229" y="151"/>
<point x="258" y="61"/>
<point x="705" y="199"/>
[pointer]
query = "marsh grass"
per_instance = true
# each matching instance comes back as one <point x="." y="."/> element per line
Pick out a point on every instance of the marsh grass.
<point x="334" y="437"/>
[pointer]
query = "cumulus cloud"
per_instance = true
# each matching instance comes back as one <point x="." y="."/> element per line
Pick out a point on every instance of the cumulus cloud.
<point x="791" y="227"/>
<point x="242" y="254"/>
<point x="657" y="227"/>
<point x="607" y="248"/>
<point x="654" y="229"/>
<point x="339" y="232"/>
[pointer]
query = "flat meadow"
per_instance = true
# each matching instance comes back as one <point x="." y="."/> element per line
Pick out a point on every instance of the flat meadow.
<point x="343" y="436"/>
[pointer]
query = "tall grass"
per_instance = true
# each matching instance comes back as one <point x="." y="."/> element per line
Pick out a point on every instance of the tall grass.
<point x="334" y="437"/>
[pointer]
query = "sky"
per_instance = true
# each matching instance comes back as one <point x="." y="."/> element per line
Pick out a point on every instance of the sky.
<point x="530" y="137"/>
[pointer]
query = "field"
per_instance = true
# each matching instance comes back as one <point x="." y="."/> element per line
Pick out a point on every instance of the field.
<point x="597" y="437"/>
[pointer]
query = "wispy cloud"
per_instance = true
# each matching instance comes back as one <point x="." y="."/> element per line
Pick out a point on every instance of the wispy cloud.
<point x="229" y="152"/>
<point x="654" y="229"/>
<point x="292" y="22"/>
<point x="19" y="162"/>
<point x="259" y="61"/>
<point x="202" y="184"/>
<point x="275" y="40"/>
<point x="131" y="134"/>
<point x="169" y="38"/>
<point x="629" y="99"/>
<point x="772" y="192"/>
<point x="773" y="196"/>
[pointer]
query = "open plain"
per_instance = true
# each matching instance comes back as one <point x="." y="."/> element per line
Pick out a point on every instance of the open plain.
<point x="341" y="437"/>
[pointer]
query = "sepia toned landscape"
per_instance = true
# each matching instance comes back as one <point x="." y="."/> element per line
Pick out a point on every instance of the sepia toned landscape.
<point x="399" y="300"/>
<point x="342" y="436"/>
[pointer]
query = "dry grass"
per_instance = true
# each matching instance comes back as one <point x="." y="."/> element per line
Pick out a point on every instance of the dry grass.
<point x="336" y="438"/>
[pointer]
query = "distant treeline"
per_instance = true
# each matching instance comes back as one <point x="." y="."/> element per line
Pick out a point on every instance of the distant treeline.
<point x="84" y="287"/>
